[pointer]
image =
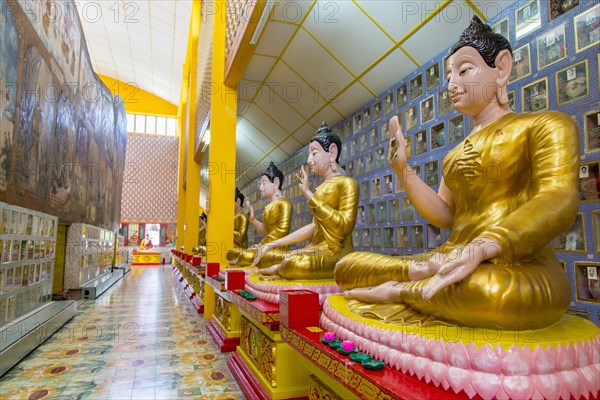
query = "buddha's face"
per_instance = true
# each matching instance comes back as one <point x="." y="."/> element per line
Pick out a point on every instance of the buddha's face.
<point x="471" y="82"/>
<point x="319" y="160"/>
<point x="268" y="188"/>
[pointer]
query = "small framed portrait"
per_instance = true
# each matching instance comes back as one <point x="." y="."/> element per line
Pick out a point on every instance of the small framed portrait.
<point x="376" y="242"/>
<point x="382" y="212"/>
<point x="501" y="28"/>
<point x="587" y="28"/>
<point x="373" y="139"/>
<point x="356" y="238"/>
<point x="551" y="47"/>
<point x="401" y="96"/>
<point x="360" y="166"/>
<point x="366" y="238"/>
<point x="521" y="63"/>
<point x="588" y="284"/>
<point x="357" y="123"/>
<point x="432" y="173"/>
<point x="589" y="181"/>
<point x="417" y="240"/>
<point x="388" y="103"/>
<point x="371" y="214"/>
<point x="596" y="227"/>
<point x="416" y="87"/>
<point x="360" y="215"/>
<point x="417" y="170"/>
<point x="408" y="142"/>
<point x="355" y="147"/>
<point x="437" y="136"/>
<point x="557" y="8"/>
<point x="578" y="313"/>
<point x="388" y="185"/>
<point x="370" y="163"/>
<point x="350" y="169"/>
<point x="456" y="129"/>
<point x="376" y="188"/>
<point x="410" y="116"/>
<point x="511" y="100"/>
<point x="427" y="111"/>
<point x="444" y="102"/>
<point x="591" y="124"/>
<point x="366" y="118"/>
<point x="535" y="95"/>
<point x="434" y="237"/>
<point x="394" y="207"/>
<point x="377" y="111"/>
<point x="347" y="128"/>
<point x="408" y="210"/>
<point x="432" y="78"/>
<point x="420" y="142"/>
<point x="572" y="241"/>
<point x="527" y="18"/>
<point x="398" y="187"/>
<point x="384" y="131"/>
<point x="402" y="239"/>
<point x="365" y="190"/>
<point x="380" y="158"/>
<point x="364" y="142"/>
<point x="572" y="83"/>
<point x="388" y="237"/>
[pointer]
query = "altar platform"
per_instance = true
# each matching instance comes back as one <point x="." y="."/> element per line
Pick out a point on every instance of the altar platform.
<point x="145" y="258"/>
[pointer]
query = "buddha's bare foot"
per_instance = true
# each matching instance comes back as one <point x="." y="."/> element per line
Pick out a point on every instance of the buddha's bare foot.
<point x="419" y="270"/>
<point x="272" y="270"/>
<point x="385" y="293"/>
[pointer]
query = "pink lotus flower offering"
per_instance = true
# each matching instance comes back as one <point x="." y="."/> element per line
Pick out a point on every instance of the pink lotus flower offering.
<point x="347" y="345"/>
<point x="329" y="336"/>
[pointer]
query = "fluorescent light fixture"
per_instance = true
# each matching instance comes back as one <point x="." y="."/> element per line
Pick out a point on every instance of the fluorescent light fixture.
<point x="262" y="21"/>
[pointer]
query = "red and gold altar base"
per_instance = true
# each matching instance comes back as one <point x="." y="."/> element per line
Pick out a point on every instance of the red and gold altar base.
<point x="561" y="361"/>
<point x="146" y="257"/>
<point x="264" y="366"/>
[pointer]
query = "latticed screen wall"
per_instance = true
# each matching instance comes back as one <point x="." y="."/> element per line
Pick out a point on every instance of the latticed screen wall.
<point x="203" y="75"/>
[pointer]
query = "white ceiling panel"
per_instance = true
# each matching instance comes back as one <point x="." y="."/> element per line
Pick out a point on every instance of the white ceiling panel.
<point x="291" y="145"/>
<point x="445" y="33"/>
<point x="397" y="18"/>
<point x="327" y="114"/>
<point x="304" y="134"/>
<point x="296" y="91"/>
<point x="292" y="11"/>
<point x="275" y="36"/>
<point x="338" y="32"/>
<point x="258" y="68"/>
<point x="302" y="56"/>
<point x="277" y="108"/>
<point x="353" y="98"/>
<point x="256" y="134"/>
<point x="395" y="64"/>
<point x="261" y="120"/>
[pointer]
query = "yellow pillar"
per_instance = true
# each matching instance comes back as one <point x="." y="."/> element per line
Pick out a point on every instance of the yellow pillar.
<point x="183" y="134"/>
<point x="222" y="158"/>
<point x="192" y="179"/>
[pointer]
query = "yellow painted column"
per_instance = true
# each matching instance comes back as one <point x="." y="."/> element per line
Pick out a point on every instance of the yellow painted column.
<point x="192" y="179"/>
<point x="222" y="171"/>
<point x="182" y="132"/>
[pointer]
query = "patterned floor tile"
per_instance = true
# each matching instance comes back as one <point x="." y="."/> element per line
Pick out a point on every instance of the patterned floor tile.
<point x="141" y="340"/>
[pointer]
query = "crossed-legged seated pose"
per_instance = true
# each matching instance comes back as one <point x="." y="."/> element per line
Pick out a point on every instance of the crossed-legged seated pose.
<point x="507" y="190"/>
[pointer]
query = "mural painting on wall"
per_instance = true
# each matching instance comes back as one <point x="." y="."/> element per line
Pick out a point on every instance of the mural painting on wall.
<point x="9" y="54"/>
<point x="65" y="153"/>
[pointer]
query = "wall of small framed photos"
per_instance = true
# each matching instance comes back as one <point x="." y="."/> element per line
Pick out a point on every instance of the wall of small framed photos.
<point x="28" y="245"/>
<point x="556" y="67"/>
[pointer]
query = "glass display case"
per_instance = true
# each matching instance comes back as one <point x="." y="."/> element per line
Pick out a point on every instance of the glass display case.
<point x="28" y="243"/>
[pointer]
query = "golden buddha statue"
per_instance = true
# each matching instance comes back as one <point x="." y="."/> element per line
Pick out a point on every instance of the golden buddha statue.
<point x="277" y="218"/>
<point x="200" y="250"/>
<point x="146" y="244"/>
<point x="240" y="228"/>
<point x="507" y="190"/>
<point x="334" y="205"/>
